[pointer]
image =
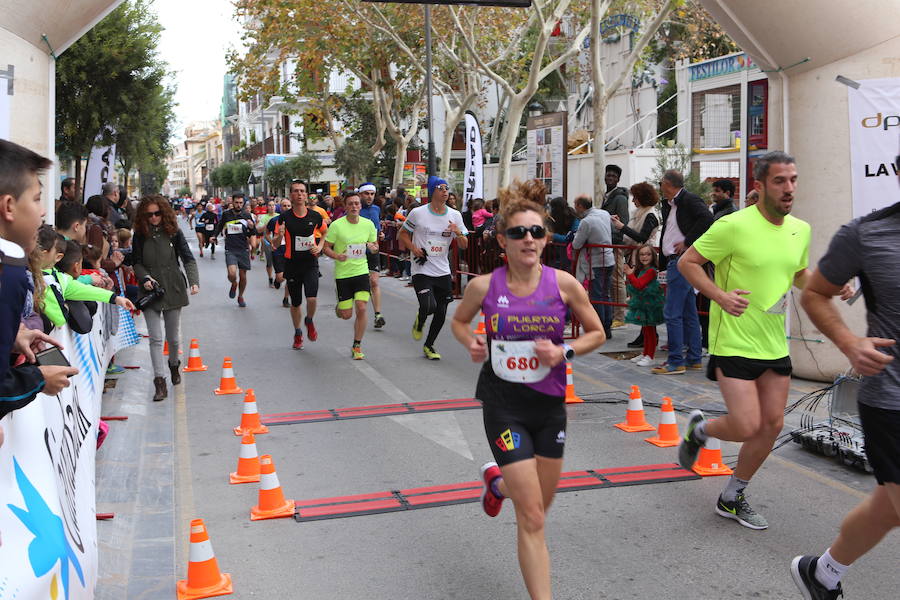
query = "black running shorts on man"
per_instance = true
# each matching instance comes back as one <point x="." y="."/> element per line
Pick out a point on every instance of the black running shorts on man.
<point x="520" y="422"/>
<point x="348" y="287"/>
<point x="301" y="268"/>
<point x="748" y="369"/>
<point x="431" y="291"/>
<point x="881" y="428"/>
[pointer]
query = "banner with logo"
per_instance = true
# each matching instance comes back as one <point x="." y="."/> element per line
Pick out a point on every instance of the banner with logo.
<point x="101" y="168"/>
<point x="874" y="143"/>
<point x="48" y="530"/>
<point x="473" y="178"/>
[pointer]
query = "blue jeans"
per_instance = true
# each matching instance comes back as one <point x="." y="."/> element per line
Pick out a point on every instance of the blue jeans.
<point x="682" y="322"/>
<point x="599" y="292"/>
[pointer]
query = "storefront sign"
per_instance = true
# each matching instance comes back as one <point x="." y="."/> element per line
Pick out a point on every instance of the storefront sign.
<point x="874" y="111"/>
<point x="720" y="66"/>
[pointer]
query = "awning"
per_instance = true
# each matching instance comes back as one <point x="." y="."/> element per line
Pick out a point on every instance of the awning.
<point x="63" y="21"/>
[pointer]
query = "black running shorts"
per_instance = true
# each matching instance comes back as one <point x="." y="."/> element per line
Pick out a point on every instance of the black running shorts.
<point x="352" y="288"/>
<point x="300" y="279"/>
<point x="881" y="428"/>
<point x="749" y="369"/>
<point x="440" y="288"/>
<point x="520" y="422"/>
<point x="373" y="258"/>
<point x="278" y="260"/>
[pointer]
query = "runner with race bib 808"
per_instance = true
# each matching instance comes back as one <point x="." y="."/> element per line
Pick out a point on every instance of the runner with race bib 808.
<point x="523" y="379"/>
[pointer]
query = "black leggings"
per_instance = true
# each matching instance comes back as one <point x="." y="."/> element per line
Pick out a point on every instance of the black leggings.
<point x="434" y="295"/>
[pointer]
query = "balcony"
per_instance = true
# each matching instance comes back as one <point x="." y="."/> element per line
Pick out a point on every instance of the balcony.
<point x="258" y="150"/>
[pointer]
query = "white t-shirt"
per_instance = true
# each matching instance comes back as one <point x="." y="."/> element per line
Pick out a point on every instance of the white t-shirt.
<point x="431" y="232"/>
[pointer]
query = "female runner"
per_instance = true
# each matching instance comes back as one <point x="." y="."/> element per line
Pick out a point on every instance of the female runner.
<point x="523" y="379"/>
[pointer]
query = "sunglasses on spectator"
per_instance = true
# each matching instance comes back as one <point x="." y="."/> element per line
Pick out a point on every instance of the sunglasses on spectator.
<point x="518" y="233"/>
<point x="155" y="213"/>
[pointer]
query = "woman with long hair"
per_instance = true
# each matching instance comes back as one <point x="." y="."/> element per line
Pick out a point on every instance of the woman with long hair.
<point x="523" y="377"/>
<point x="157" y="248"/>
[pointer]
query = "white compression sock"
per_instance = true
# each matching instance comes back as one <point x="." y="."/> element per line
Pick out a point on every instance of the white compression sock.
<point x="829" y="571"/>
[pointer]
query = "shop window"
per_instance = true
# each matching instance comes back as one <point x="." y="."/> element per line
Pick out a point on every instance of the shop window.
<point x="757" y="114"/>
<point x="716" y="117"/>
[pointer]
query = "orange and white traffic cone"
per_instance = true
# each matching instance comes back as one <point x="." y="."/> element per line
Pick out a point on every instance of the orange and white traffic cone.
<point x="248" y="462"/>
<point x="480" y="330"/>
<point x="571" y="397"/>
<point x="195" y="363"/>
<point x="227" y="384"/>
<point x="203" y="577"/>
<point x="166" y="348"/>
<point x="634" y="416"/>
<point x="271" y="503"/>
<point x="709" y="461"/>
<point x="667" y="432"/>
<point x="250" y="417"/>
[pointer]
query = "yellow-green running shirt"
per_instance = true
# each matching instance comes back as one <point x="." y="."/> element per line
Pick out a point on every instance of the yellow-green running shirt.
<point x="350" y="239"/>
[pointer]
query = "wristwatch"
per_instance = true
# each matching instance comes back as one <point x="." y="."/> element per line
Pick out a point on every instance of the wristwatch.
<point x="568" y="351"/>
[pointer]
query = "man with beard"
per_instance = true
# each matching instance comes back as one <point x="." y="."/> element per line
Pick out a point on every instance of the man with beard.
<point x="758" y="254"/>
<point x="240" y="240"/>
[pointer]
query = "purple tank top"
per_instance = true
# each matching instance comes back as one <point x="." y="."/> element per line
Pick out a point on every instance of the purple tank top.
<point x="539" y="315"/>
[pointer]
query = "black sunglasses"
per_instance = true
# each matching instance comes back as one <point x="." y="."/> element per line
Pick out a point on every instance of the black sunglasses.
<point x="155" y="213"/>
<point x="518" y="233"/>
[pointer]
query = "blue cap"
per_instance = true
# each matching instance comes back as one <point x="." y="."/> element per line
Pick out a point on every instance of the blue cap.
<point x="433" y="182"/>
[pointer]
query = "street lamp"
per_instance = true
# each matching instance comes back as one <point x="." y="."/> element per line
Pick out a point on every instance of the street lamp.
<point x="535" y="109"/>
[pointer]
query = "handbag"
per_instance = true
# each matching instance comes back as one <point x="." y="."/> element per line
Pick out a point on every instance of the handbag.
<point x="77" y="313"/>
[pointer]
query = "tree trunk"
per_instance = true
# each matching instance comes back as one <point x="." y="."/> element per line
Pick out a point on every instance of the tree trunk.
<point x="401" y="144"/>
<point x="451" y="119"/>
<point x="510" y="133"/>
<point x="599" y="108"/>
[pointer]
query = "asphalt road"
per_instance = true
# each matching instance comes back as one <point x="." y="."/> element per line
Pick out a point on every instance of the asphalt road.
<point x="647" y="541"/>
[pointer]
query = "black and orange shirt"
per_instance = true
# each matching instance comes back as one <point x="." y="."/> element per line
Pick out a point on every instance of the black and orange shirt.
<point x="300" y="235"/>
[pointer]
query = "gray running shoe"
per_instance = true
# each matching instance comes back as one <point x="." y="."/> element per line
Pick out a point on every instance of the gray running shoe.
<point x="803" y="571"/>
<point x="740" y="511"/>
<point x="690" y="446"/>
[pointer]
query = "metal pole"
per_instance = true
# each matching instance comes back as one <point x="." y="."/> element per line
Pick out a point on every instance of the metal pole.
<point x="432" y="159"/>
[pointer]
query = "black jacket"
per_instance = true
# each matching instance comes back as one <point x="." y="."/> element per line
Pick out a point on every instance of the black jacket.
<point x="615" y="202"/>
<point x="693" y="218"/>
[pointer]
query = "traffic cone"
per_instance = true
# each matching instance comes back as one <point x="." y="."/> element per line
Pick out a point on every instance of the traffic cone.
<point x="195" y="363"/>
<point x="480" y="329"/>
<point x="250" y="417"/>
<point x="634" y="416"/>
<point x="203" y="577"/>
<point x="571" y="398"/>
<point x="709" y="461"/>
<point x="227" y="384"/>
<point x="248" y="462"/>
<point x="667" y="432"/>
<point x="271" y="503"/>
<point x="166" y="348"/>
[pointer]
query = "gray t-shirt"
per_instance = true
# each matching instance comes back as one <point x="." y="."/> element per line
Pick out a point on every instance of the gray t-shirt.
<point x="868" y="247"/>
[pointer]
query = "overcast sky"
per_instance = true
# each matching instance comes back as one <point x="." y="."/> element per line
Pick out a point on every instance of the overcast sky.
<point x="196" y="37"/>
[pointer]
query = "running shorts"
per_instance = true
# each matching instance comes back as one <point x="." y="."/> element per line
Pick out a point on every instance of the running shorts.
<point x="350" y="289"/>
<point x="241" y="259"/>
<point x="520" y="422"/>
<point x="881" y="428"/>
<point x="440" y="289"/>
<point x="374" y="259"/>
<point x="267" y="251"/>
<point x="278" y="260"/>
<point x="299" y="280"/>
<point x="738" y="367"/>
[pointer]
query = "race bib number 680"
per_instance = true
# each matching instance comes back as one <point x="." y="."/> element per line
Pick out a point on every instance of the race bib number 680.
<point x="515" y="361"/>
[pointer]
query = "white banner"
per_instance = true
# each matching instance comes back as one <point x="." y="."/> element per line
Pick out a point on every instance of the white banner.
<point x="6" y="96"/>
<point x="48" y="530"/>
<point x="874" y="143"/>
<point x="101" y="168"/>
<point x="473" y="180"/>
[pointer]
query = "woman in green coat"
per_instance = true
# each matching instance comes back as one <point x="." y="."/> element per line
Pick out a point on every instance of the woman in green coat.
<point x="158" y="247"/>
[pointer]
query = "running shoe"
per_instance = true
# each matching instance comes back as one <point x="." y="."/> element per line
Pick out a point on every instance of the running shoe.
<point x="645" y="361"/>
<point x="669" y="370"/>
<point x="696" y="367"/>
<point x="285" y="303"/>
<point x="617" y="324"/>
<point x="490" y="503"/>
<point x="311" y="332"/>
<point x="740" y="511"/>
<point x="379" y="321"/>
<point x="803" y="571"/>
<point x="241" y="302"/>
<point x="357" y="353"/>
<point x="233" y="291"/>
<point x="690" y="446"/>
<point x="271" y="282"/>
<point x="114" y="370"/>
<point x="416" y="329"/>
<point x="277" y="285"/>
<point x="298" y="341"/>
<point x="637" y="358"/>
<point x="201" y="252"/>
<point x="430" y="354"/>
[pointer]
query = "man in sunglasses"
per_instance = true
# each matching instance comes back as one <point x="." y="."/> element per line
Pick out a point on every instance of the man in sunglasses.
<point x="428" y="232"/>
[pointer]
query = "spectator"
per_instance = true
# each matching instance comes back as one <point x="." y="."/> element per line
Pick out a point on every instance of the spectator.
<point x="722" y="195"/>
<point x="67" y="187"/>
<point x="563" y="225"/>
<point x="595" y="264"/>
<point x="22" y="210"/>
<point x="751" y="199"/>
<point x="327" y="203"/>
<point x="158" y="246"/>
<point x="642" y="229"/>
<point x="115" y="214"/>
<point x="101" y="233"/>
<point x="72" y="220"/>
<point x="685" y="218"/>
<point x="615" y="202"/>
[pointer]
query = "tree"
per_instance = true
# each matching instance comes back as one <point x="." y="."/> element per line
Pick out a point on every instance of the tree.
<point x="305" y="166"/>
<point x="240" y="173"/>
<point x="278" y="175"/>
<point x="354" y="161"/>
<point x="142" y="134"/>
<point x="97" y="75"/>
